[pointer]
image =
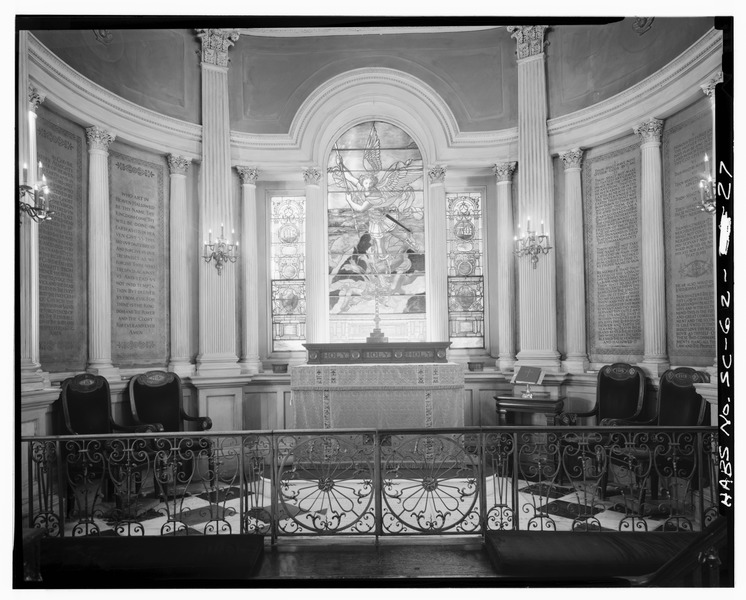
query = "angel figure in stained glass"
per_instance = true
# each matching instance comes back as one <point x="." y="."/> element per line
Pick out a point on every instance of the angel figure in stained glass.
<point x="383" y="197"/>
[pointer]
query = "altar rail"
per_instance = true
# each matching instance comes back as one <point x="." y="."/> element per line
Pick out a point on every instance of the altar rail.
<point x="368" y="482"/>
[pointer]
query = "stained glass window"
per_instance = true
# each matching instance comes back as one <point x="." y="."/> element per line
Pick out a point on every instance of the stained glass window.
<point x="465" y="270"/>
<point x="376" y="235"/>
<point x="288" y="254"/>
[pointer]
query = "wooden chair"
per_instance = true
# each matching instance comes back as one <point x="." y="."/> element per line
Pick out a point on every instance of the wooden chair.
<point x="156" y="397"/>
<point x="92" y="466"/>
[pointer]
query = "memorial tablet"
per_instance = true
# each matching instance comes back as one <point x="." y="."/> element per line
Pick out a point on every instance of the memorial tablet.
<point x="690" y="284"/>
<point x="63" y="308"/>
<point x="611" y="178"/>
<point x="139" y="260"/>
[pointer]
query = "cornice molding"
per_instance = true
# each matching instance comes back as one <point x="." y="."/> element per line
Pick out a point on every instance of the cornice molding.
<point x="663" y="93"/>
<point x="88" y="103"/>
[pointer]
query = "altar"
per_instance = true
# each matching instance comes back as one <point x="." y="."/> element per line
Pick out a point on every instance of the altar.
<point x="381" y="396"/>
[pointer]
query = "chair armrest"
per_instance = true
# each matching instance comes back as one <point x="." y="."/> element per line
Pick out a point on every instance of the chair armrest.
<point x="149" y="428"/>
<point x="125" y="428"/>
<point x="616" y="422"/>
<point x="571" y="418"/>
<point x="205" y="423"/>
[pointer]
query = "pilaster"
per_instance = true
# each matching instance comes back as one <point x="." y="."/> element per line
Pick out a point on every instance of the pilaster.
<point x="99" y="254"/>
<point x="249" y="361"/>
<point x="576" y="360"/>
<point x="217" y="308"/>
<point x="437" y="257"/>
<point x="655" y="359"/>
<point x="537" y="286"/>
<point x="317" y="302"/>
<point x="505" y="266"/>
<point x="181" y="298"/>
<point x="32" y="377"/>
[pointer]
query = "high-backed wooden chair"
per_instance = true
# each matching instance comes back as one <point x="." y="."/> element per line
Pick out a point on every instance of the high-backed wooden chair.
<point x="620" y="394"/>
<point x="156" y="397"/>
<point x="92" y="464"/>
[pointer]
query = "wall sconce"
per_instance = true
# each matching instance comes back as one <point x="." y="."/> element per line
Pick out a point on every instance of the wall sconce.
<point x="221" y="250"/>
<point x="531" y="244"/>
<point x="33" y="199"/>
<point x="707" y="190"/>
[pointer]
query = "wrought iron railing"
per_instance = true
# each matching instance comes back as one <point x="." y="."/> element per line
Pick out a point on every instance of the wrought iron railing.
<point x="368" y="482"/>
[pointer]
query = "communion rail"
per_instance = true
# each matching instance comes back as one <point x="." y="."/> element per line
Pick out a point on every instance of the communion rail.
<point x="372" y="482"/>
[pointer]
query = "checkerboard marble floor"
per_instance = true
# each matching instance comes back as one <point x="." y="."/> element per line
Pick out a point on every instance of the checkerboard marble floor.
<point x="200" y="511"/>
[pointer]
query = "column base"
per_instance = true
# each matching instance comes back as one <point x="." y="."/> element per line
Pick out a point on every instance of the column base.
<point x="576" y="364"/>
<point x="250" y="366"/>
<point x="182" y="368"/>
<point x="506" y="365"/>
<point x="549" y="360"/>
<point x="218" y="366"/>
<point x="34" y="380"/>
<point x="106" y="370"/>
<point x="654" y="367"/>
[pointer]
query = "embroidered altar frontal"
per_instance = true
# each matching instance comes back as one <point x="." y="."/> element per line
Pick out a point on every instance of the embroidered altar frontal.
<point x="386" y="396"/>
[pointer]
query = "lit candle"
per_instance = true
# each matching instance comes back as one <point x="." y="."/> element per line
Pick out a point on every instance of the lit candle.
<point x="209" y="235"/>
<point x="222" y="232"/>
<point x="528" y="224"/>
<point x="25" y="172"/>
<point x="40" y="173"/>
<point x="542" y="228"/>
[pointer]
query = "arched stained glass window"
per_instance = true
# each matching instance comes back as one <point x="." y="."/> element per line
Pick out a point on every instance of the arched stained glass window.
<point x="376" y="233"/>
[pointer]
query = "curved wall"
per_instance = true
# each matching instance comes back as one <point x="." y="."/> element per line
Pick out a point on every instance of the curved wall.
<point x="588" y="64"/>
<point x="158" y="69"/>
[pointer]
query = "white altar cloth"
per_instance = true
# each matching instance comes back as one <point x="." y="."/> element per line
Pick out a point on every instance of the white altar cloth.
<point x="382" y="396"/>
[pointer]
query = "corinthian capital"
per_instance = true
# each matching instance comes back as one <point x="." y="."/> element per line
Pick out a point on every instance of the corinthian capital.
<point x="312" y="175"/>
<point x="572" y="158"/>
<point x="649" y="131"/>
<point x="98" y="138"/>
<point x="437" y="174"/>
<point x="709" y="87"/>
<point x="530" y="39"/>
<point x="35" y="97"/>
<point x="248" y="174"/>
<point x="215" y="45"/>
<point x="178" y="165"/>
<point x="504" y="171"/>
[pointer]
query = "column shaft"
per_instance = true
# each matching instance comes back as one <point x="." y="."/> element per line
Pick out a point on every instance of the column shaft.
<point x="538" y="306"/>
<point x="655" y="359"/>
<point x="505" y="267"/>
<point x="181" y="297"/>
<point x="576" y="356"/>
<point x="437" y="258"/>
<point x="217" y="311"/>
<point x="99" y="254"/>
<point x="250" y="362"/>
<point x="317" y="302"/>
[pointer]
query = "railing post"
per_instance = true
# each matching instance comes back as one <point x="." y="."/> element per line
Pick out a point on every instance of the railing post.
<point x="274" y="487"/>
<point x="377" y="484"/>
<point x="482" y="490"/>
<point x="514" y="483"/>
<point x="29" y="447"/>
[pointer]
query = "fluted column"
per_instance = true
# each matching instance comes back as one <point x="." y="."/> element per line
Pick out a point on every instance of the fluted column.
<point x="709" y="90"/>
<point x="317" y="302"/>
<point x="505" y="266"/>
<point x="249" y="362"/>
<point x="218" y="290"/>
<point x="181" y="298"/>
<point x="655" y="359"/>
<point x="576" y="360"/>
<point x="537" y="286"/>
<point x="437" y="257"/>
<point x="99" y="254"/>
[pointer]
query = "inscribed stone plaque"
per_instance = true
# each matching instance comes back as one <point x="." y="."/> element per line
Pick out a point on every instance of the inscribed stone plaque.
<point x="139" y="260"/>
<point x="611" y="178"/>
<point x="690" y="293"/>
<point x="63" y="307"/>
